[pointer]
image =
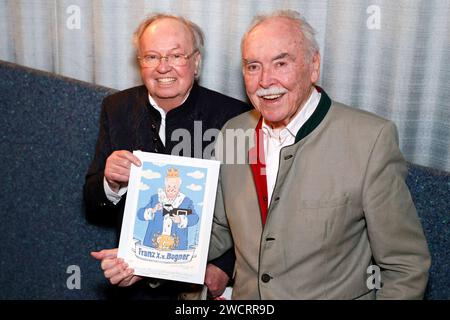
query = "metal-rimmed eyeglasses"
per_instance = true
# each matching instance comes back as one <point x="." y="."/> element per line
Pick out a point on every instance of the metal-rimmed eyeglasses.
<point x="153" y="60"/>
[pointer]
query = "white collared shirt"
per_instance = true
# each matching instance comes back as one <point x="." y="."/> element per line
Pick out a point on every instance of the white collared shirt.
<point x="276" y="139"/>
<point x="162" y="127"/>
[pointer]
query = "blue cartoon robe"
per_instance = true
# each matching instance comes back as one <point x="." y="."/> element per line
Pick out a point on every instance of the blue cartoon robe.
<point x="162" y="224"/>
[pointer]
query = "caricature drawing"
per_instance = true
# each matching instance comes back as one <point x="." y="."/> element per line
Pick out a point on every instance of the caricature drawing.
<point x="169" y="214"/>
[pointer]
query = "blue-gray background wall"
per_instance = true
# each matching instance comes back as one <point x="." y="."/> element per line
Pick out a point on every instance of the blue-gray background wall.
<point x="48" y="130"/>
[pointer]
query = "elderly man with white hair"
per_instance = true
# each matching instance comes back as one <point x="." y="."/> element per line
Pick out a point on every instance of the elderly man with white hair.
<point x="321" y="202"/>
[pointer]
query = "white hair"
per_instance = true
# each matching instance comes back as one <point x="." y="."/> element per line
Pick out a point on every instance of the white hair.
<point x="304" y="27"/>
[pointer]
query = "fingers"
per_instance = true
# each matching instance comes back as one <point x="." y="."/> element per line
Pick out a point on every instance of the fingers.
<point x="132" y="280"/>
<point x="124" y="158"/>
<point x="129" y="280"/>
<point x="119" y="273"/>
<point x="116" y="270"/>
<point x="105" y="253"/>
<point x="131" y="157"/>
<point x="216" y="280"/>
<point x="123" y="279"/>
<point x="118" y="166"/>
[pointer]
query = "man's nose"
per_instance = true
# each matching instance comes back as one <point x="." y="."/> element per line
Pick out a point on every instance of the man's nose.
<point x="163" y="65"/>
<point x="266" y="79"/>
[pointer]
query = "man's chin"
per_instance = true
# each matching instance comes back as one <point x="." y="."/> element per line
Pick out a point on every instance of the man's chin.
<point x="272" y="119"/>
<point x="270" y="115"/>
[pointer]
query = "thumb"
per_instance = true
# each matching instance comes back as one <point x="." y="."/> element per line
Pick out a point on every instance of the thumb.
<point x="105" y="253"/>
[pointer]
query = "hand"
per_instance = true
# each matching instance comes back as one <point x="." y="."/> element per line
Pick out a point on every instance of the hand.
<point x="216" y="280"/>
<point x="157" y="207"/>
<point x="175" y="219"/>
<point x="117" y="168"/>
<point x="115" y="269"/>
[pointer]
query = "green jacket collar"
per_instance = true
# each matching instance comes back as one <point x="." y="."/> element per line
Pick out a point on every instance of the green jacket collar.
<point x="317" y="116"/>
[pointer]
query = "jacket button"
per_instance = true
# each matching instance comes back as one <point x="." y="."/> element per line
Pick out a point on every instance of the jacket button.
<point x="288" y="157"/>
<point x="265" y="278"/>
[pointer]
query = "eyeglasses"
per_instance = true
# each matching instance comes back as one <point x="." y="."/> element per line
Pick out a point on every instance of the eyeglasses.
<point x="175" y="60"/>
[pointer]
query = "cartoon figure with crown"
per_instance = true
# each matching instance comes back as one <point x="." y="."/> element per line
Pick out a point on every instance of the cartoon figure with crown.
<point x="169" y="213"/>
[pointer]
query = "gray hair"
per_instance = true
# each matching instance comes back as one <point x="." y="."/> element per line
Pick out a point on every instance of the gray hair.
<point x="196" y="32"/>
<point x="305" y="28"/>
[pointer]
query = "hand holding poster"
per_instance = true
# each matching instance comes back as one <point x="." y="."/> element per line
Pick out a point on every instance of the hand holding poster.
<point x="168" y="216"/>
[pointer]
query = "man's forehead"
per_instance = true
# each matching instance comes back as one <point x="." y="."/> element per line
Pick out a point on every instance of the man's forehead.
<point x="167" y="22"/>
<point x="271" y="45"/>
<point x="162" y="28"/>
<point x="274" y="57"/>
<point x="277" y="28"/>
<point x="271" y="49"/>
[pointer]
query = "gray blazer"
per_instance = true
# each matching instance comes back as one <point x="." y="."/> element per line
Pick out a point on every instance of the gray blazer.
<point x="340" y="204"/>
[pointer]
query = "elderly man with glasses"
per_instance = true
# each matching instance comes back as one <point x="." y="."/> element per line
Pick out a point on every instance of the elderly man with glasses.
<point x="145" y="118"/>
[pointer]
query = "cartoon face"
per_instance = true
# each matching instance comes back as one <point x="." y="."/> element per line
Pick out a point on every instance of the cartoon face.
<point x="172" y="187"/>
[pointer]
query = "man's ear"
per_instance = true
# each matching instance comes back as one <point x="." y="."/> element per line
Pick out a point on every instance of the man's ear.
<point x="198" y="62"/>
<point x="315" y="68"/>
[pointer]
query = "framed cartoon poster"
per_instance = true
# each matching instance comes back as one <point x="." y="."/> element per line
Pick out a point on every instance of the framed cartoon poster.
<point x="168" y="216"/>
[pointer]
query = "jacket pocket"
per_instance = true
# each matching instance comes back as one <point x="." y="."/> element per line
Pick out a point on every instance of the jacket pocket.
<point x="330" y="202"/>
<point x="325" y="217"/>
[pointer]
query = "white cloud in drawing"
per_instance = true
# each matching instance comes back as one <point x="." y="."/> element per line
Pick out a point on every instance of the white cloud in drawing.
<point x="196" y="174"/>
<point x="143" y="186"/>
<point x="149" y="174"/>
<point x="194" y="187"/>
